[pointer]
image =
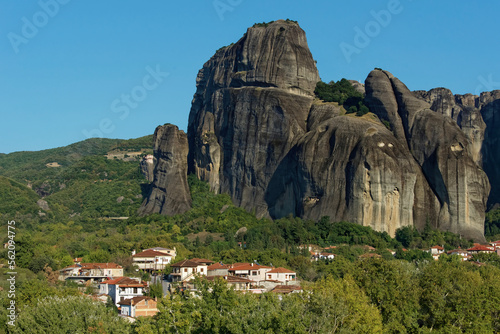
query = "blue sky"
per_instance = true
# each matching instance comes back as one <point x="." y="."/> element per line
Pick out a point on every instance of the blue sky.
<point x="71" y="69"/>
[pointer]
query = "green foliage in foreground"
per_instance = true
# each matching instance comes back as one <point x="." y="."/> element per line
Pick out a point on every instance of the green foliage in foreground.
<point x="71" y="314"/>
<point x="332" y="306"/>
<point x="372" y="296"/>
<point x="344" y="94"/>
<point x="492" y="224"/>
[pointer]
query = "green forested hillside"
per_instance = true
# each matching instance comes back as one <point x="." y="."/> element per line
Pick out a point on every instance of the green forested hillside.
<point x="16" y="199"/>
<point x="31" y="167"/>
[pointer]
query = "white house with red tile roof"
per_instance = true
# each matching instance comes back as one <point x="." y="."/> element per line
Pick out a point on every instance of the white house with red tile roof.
<point x="436" y="251"/>
<point x="218" y="269"/>
<point x="238" y="283"/>
<point x="141" y="306"/>
<point x="122" y="288"/>
<point x="495" y="244"/>
<point x="169" y="251"/>
<point x="91" y="271"/>
<point x="151" y="260"/>
<point x="481" y="249"/>
<point x="186" y="270"/>
<point x="281" y="274"/>
<point x="252" y="271"/>
<point x="463" y="253"/>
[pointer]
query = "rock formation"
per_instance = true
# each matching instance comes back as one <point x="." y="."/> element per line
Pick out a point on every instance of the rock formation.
<point x="251" y="104"/>
<point x="147" y="167"/>
<point x="479" y="119"/>
<point x="257" y="133"/>
<point x="169" y="193"/>
<point x="440" y="148"/>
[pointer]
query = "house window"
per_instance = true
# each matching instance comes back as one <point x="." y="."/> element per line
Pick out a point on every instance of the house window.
<point x="268" y="276"/>
<point x="135" y="290"/>
<point x="254" y="273"/>
<point x="201" y="269"/>
<point x="185" y="270"/>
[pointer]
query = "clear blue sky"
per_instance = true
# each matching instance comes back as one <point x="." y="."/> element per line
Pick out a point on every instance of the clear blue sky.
<point x="70" y="75"/>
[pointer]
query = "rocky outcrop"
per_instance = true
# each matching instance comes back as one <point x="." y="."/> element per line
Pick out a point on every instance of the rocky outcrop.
<point x="147" y="167"/>
<point x="478" y="117"/>
<point x="252" y="102"/>
<point x="464" y="110"/>
<point x="440" y="148"/>
<point x="169" y="193"/>
<point x="490" y="111"/>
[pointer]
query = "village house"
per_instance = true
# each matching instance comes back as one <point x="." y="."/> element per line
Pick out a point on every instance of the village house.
<point x="238" y="283"/>
<point x="122" y="288"/>
<point x="281" y="275"/>
<point x="252" y="271"/>
<point x="141" y="306"/>
<point x="218" y="269"/>
<point x="151" y="260"/>
<point x="462" y="253"/>
<point x="186" y="270"/>
<point x="436" y="251"/>
<point x="94" y="272"/>
<point x="495" y="244"/>
<point x="481" y="249"/>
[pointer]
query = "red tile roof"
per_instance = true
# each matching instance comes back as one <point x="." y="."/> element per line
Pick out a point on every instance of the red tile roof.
<point x="280" y="270"/>
<point x="217" y="266"/>
<point x="481" y="248"/>
<point x="205" y="261"/>
<point x="437" y="247"/>
<point x="109" y="265"/>
<point x="231" y="279"/>
<point x="125" y="281"/>
<point x="150" y="253"/>
<point x="248" y="266"/>
<point x="186" y="263"/>
<point x="286" y="288"/>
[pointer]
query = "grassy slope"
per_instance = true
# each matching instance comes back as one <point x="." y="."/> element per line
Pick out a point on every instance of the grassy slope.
<point x="86" y="182"/>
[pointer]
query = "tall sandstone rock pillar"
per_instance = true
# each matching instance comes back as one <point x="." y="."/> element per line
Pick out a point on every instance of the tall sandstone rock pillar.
<point x="169" y="191"/>
<point x="251" y="104"/>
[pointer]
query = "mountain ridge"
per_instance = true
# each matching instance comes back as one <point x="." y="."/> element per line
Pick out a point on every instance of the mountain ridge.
<point x="256" y="133"/>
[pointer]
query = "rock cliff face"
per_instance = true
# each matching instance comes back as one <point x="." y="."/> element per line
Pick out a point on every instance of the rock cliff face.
<point x="148" y="163"/>
<point x="169" y="192"/>
<point x="479" y="119"/>
<point x="440" y="148"/>
<point x="251" y="104"/>
<point x="257" y="133"/>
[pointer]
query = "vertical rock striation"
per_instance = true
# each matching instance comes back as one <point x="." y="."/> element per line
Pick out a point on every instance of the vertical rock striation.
<point x="441" y="149"/>
<point x="251" y="104"/>
<point x="169" y="193"/>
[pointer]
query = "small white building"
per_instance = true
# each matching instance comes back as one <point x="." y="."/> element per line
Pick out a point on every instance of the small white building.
<point x="91" y="271"/>
<point x="122" y="288"/>
<point x="186" y="270"/>
<point x="138" y="307"/>
<point x="436" y="251"/>
<point x="282" y="275"/>
<point x="152" y="260"/>
<point x="252" y="271"/>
